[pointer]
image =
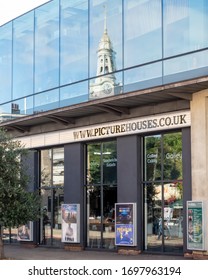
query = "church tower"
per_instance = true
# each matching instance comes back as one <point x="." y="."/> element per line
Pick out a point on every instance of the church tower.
<point x="104" y="86"/>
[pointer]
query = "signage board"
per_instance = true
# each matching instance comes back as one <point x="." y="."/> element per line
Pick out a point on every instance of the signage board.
<point x="119" y="128"/>
<point x="70" y="216"/>
<point x="125" y="224"/>
<point x="195" y="225"/>
<point x="25" y="232"/>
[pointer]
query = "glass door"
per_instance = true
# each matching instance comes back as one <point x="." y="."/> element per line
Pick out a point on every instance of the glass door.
<point x="50" y="223"/>
<point x="52" y="194"/>
<point x="101" y="194"/>
<point x="163" y="193"/>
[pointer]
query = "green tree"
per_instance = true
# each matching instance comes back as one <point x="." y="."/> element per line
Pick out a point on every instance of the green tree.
<point x="18" y="206"/>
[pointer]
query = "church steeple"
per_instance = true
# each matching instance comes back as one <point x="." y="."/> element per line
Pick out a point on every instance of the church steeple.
<point x="105" y="53"/>
<point x="105" y="82"/>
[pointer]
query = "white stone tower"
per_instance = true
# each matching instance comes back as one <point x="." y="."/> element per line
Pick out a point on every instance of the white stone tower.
<point x="104" y="86"/>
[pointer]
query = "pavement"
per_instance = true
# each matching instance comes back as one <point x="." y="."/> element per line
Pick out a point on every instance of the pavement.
<point x="17" y="252"/>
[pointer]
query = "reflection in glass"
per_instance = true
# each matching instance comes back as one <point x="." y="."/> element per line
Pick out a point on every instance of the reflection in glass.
<point x="143" y="77"/>
<point x="47" y="46"/>
<point x="23" y="43"/>
<point x="141" y="31"/>
<point x="105" y="23"/>
<point x="52" y="194"/>
<point x="46" y="173"/>
<point x="16" y="109"/>
<point x="46" y="101"/>
<point x="172" y="156"/>
<point x="50" y="224"/>
<point x="74" y="41"/>
<point x="105" y="86"/>
<point x="73" y="94"/>
<point x="153" y="216"/>
<point x="52" y="167"/>
<point x="109" y="200"/>
<point x="191" y="65"/>
<point x="101" y="194"/>
<point x="58" y="167"/>
<point x="94" y="217"/>
<point x="185" y="26"/>
<point x="105" y="30"/>
<point x="153" y="158"/>
<point x="5" y="63"/>
<point x="93" y="164"/>
<point x="109" y="163"/>
<point x="163" y="200"/>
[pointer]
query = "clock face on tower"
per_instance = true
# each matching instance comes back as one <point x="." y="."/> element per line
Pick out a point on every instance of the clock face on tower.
<point x="107" y="88"/>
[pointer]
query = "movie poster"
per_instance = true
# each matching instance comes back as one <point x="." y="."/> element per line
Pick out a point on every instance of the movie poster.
<point x="125" y="230"/>
<point x="195" y="225"/>
<point x="25" y="232"/>
<point x="70" y="223"/>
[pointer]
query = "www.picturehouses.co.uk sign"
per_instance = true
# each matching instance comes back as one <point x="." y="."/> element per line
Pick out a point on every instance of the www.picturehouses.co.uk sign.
<point x="138" y="125"/>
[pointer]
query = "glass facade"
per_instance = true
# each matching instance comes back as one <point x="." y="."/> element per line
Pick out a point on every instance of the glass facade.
<point x="101" y="194"/>
<point x="163" y="192"/>
<point x="68" y="52"/>
<point x="52" y="195"/>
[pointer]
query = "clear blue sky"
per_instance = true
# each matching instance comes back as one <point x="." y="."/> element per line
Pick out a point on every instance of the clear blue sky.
<point x="10" y="9"/>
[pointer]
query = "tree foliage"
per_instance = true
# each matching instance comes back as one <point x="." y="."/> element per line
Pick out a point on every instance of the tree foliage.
<point x="17" y="204"/>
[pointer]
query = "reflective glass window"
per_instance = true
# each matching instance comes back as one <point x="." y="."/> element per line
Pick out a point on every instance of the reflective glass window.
<point x="105" y="36"/>
<point x="109" y="163"/>
<point x="185" y="26"/>
<point x="23" y="34"/>
<point x="16" y="109"/>
<point x="152" y="158"/>
<point x="105" y="86"/>
<point x="5" y="62"/>
<point x="46" y="101"/>
<point x="47" y="46"/>
<point x="172" y="146"/>
<point x="52" y="195"/>
<point x="101" y="194"/>
<point x="143" y="77"/>
<point x="163" y="193"/>
<point x="142" y="31"/>
<point x="94" y="164"/>
<point x="5" y="112"/>
<point x="74" y="41"/>
<point x="23" y="106"/>
<point x="58" y="167"/>
<point x="185" y="67"/>
<point x="74" y="94"/>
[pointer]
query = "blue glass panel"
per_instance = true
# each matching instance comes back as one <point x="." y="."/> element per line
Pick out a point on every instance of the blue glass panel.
<point x="45" y="101"/>
<point x="5" y="62"/>
<point x="105" y="24"/>
<point x="74" y="94"/>
<point x="142" y="31"/>
<point x="23" y="34"/>
<point x="16" y="109"/>
<point x="143" y="77"/>
<point x="24" y="106"/>
<point x="186" y="67"/>
<point x="74" y="41"/>
<point x="5" y="112"/>
<point x="185" y="26"/>
<point x="47" y="46"/>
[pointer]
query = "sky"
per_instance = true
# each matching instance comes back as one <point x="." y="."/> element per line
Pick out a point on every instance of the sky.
<point x="10" y="9"/>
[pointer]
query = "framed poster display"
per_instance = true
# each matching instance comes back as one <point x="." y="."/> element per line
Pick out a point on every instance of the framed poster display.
<point x="70" y="216"/>
<point x="125" y="224"/>
<point x="25" y="232"/>
<point x="195" y="225"/>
